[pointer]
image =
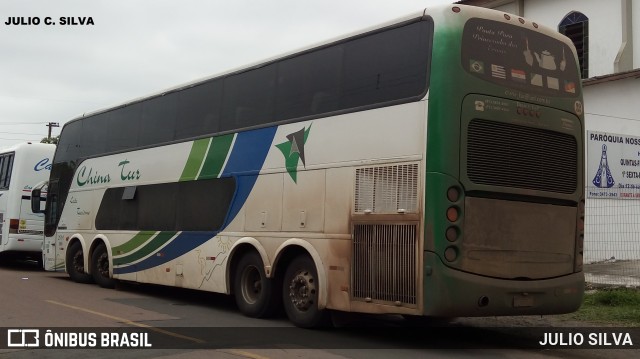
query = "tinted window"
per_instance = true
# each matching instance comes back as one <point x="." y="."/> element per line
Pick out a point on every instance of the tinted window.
<point x="69" y="148"/>
<point x="186" y="206"/>
<point x="6" y="167"/>
<point x="52" y="215"/>
<point x="199" y="110"/>
<point x="386" y="66"/>
<point x="309" y="84"/>
<point x="158" y="123"/>
<point x="94" y="139"/>
<point x="513" y="56"/>
<point x="249" y="98"/>
<point x="124" y="127"/>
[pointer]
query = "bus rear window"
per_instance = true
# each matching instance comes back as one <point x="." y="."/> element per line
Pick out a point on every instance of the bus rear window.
<point x="513" y="56"/>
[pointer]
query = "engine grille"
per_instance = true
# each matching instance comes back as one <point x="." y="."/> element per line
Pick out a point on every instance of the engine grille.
<point x="503" y="154"/>
<point x="384" y="263"/>
<point x="387" y="189"/>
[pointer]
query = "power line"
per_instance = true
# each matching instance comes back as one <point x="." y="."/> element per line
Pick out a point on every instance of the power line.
<point x="23" y="123"/>
<point x="19" y="133"/>
<point x="49" y="99"/>
<point x="19" y="139"/>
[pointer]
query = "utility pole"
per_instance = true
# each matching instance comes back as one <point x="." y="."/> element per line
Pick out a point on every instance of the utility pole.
<point x="50" y="125"/>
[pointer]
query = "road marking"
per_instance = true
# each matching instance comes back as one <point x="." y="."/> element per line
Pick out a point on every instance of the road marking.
<point x="130" y="322"/>
<point x="246" y="354"/>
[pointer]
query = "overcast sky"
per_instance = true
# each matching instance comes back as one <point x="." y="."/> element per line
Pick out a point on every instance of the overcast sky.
<point x="53" y="73"/>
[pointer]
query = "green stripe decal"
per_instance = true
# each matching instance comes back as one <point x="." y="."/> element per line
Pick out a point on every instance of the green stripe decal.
<point x="157" y="242"/>
<point x="133" y="243"/>
<point x="216" y="156"/>
<point x="198" y="151"/>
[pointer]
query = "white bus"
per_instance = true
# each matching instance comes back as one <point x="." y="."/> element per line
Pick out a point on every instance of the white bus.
<point x="429" y="166"/>
<point x="21" y="168"/>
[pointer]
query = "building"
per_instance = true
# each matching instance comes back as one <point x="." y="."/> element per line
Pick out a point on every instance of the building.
<point x="607" y="44"/>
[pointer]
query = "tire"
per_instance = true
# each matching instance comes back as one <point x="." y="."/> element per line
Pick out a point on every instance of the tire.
<point x="300" y="293"/>
<point x="100" y="267"/>
<point x="75" y="264"/>
<point x="255" y="294"/>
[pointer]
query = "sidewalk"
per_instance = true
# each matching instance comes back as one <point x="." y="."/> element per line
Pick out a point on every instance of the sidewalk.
<point x="613" y="272"/>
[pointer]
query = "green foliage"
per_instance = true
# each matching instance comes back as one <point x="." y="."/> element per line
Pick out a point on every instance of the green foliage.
<point x="53" y="140"/>
<point x="614" y="297"/>
<point x="619" y="306"/>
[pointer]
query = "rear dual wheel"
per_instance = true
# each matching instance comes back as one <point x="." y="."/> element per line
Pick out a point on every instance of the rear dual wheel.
<point x="256" y="295"/>
<point x="300" y="292"/>
<point x="75" y="264"/>
<point x="100" y="267"/>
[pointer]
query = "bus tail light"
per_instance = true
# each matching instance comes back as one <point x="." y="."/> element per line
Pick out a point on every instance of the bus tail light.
<point x="451" y="253"/>
<point x="14" y="224"/>
<point x="453" y="194"/>
<point x="451" y="234"/>
<point x="452" y="214"/>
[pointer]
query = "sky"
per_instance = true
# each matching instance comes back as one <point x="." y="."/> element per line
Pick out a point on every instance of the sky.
<point x="54" y="73"/>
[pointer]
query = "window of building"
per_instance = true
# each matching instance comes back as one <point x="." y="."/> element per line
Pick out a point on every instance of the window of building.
<point x="575" y="26"/>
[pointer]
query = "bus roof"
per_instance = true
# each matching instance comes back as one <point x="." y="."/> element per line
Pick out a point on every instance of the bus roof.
<point x="488" y="13"/>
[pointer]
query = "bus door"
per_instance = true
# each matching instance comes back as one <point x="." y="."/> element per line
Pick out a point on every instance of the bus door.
<point x="52" y="254"/>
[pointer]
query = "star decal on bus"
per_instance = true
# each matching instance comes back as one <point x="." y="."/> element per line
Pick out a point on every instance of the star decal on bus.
<point x="293" y="151"/>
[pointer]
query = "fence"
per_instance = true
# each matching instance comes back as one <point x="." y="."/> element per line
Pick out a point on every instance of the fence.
<point x="612" y="236"/>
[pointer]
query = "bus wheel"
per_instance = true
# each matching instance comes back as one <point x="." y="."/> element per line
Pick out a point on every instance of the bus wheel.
<point x="254" y="293"/>
<point x="75" y="264"/>
<point x="100" y="267"/>
<point x="300" y="293"/>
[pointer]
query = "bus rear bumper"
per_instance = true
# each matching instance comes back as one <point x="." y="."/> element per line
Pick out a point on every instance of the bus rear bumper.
<point x="453" y="293"/>
<point x="24" y="243"/>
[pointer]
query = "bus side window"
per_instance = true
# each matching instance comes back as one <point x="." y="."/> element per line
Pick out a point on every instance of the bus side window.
<point x="6" y="164"/>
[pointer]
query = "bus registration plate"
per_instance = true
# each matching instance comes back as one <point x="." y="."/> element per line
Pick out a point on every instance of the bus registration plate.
<point x="522" y="301"/>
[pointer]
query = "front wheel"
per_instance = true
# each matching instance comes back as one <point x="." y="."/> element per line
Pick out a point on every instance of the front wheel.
<point x="300" y="294"/>
<point x="100" y="267"/>
<point x="75" y="264"/>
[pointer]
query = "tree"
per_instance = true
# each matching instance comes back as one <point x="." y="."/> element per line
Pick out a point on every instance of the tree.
<point x="53" y="140"/>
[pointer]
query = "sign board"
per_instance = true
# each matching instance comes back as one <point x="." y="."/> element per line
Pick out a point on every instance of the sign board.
<point x="613" y="166"/>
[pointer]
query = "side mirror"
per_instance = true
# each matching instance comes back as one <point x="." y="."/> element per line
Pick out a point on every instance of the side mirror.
<point x="36" y="198"/>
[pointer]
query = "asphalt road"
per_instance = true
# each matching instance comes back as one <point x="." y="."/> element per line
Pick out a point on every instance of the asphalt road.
<point x="190" y="324"/>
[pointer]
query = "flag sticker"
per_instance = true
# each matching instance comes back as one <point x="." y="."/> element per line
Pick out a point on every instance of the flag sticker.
<point x="518" y="75"/>
<point x="553" y="83"/>
<point x="570" y="86"/>
<point x="536" y="80"/>
<point x="498" y="71"/>
<point x="476" y="66"/>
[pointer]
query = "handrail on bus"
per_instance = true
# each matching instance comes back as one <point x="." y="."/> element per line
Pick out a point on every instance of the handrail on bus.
<point x="36" y="197"/>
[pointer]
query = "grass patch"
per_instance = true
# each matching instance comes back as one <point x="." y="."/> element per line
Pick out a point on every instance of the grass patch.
<point x="619" y="306"/>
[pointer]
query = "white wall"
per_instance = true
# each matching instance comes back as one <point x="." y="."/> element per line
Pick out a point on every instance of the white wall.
<point x="636" y="33"/>
<point x="605" y="29"/>
<point x="613" y="107"/>
<point x="612" y="225"/>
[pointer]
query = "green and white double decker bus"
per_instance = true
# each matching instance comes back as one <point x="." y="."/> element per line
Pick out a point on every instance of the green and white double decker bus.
<point x="430" y="166"/>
